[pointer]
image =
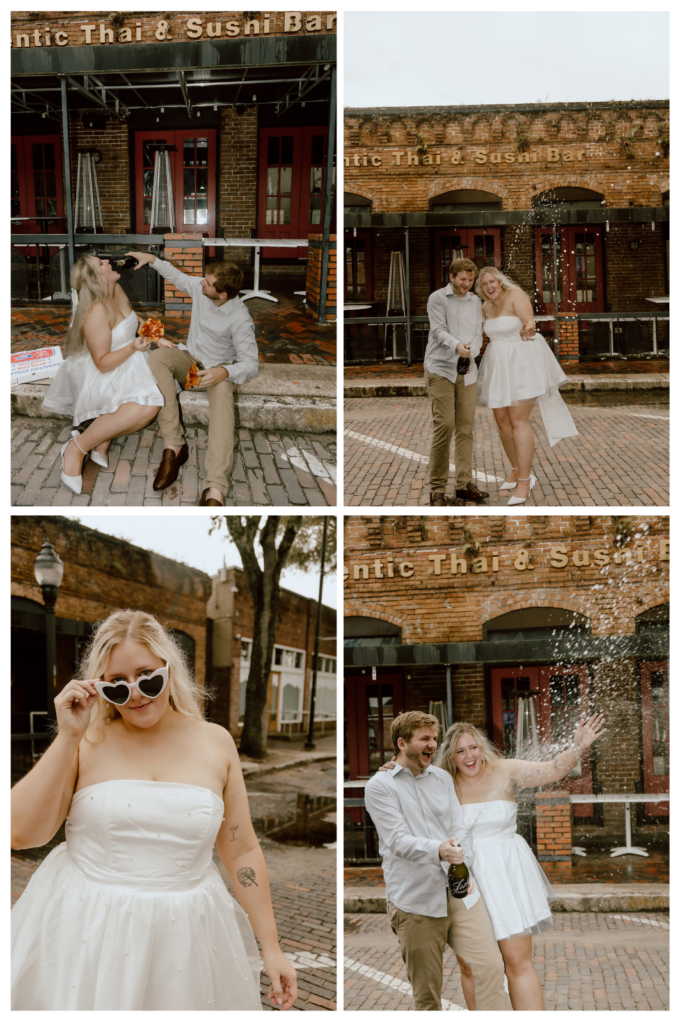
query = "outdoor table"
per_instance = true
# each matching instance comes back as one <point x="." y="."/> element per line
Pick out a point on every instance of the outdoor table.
<point x="258" y="244"/>
<point x="660" y="299"/>
<point x="620" y="798"/>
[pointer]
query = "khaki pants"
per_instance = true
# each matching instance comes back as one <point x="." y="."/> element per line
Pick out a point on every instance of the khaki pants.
<point x="453" y="407"/>
<point x="467" y="933"/>
<point x="169" y="365"/>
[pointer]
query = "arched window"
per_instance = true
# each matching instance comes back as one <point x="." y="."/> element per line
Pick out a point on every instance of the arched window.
<point x="359" y="631"/>
<point x="576" y="198"/>
<point x="653" y="620"/>
<point x="353" y="203"/>
<point x="462" y="199"/>
<point x="187" y="644"/>
<point x="535" y="624"/>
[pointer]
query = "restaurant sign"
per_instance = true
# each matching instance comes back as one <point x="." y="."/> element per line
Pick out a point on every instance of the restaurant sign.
<point x="407" y="158"/>
<point x="102" y="33"/>
<point x="452" y="563"/>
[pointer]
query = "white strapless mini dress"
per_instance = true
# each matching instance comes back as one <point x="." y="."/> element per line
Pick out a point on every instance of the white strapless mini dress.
<point x="514" y="886"/>
<point x="130" y="913"/>
<point x="82" y="391"/>
<point x="518" y="372"/>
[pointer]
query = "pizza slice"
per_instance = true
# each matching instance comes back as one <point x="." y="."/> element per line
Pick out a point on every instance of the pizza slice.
<point x="152" y="329"/>
<point x="192" y="380"/>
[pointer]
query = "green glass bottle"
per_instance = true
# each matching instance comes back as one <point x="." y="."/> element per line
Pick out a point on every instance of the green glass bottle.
<point x="458" y="879"/>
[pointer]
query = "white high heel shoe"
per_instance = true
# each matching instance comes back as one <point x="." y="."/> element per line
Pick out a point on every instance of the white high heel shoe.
<point x="509" y="485"/>
<point x="519" y="501"/>
<point x="97" y="457"/>
<point x="74" y="483"/>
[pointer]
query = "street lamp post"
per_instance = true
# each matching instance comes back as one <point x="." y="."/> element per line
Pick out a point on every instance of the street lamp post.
<point x="49" y="569"/>
<point x="310" y="744"/>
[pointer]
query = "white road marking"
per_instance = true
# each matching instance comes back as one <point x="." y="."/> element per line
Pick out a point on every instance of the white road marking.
<point x="407" y="454"/>
<point x="640" y="920"/>
<point x="310" y="463"/>
<point x="391" y="981"/>
<point x="304" y="960"/>
<point x="648" y="416"/>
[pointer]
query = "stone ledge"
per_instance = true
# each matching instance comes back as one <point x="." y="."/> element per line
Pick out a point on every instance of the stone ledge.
<point x="281" y="397"/>
<point x="579" y="898"/>
<point x="401" y="388"/>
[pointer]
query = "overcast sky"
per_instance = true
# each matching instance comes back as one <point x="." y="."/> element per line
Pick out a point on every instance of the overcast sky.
<point x="401" y="59"/>
<point x="186" y="539"/>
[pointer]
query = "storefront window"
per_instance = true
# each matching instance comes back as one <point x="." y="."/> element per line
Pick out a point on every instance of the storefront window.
<point x="195" y="180"/>
<point x="16" y="202"/>
<point x="585" y="267"/>
<point x="280" y="170"/>
<point x="316" y="178"/>
<point x="379" y="710"/>
<point x="547" y="273"/>
<point x="659" y="723"/>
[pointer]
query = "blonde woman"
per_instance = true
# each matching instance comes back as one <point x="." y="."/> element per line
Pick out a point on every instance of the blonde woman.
<point x="105" y="376"/>
<point x="514" y="886"/>
<point x="517" y="370"/>
<point x="131" y="913"/>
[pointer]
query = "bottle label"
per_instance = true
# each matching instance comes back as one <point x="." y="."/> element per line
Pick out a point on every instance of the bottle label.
<point x="457" y="888"/>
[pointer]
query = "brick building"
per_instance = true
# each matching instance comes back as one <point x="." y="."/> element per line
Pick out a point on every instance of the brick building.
<point x="580" y="188"/>
<point x="475" y="611"/>
<point x="242" y="98"/>
<point x="211" y="617"/>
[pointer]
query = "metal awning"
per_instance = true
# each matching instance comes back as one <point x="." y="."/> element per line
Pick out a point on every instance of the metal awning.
<point x="184" y="75"/>
<point x="542" y="217"/>
<point x="493" y="652"/>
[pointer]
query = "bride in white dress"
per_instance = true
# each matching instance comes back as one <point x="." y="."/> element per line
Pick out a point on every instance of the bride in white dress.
<point x="105" y="376"/>
<point x="131" y="913"/>
<point x="514" y="886"/>
<point x="517" y="370"/>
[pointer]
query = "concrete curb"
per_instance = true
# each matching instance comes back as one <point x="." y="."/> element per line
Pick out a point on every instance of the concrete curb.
<point x="575" y="899"/>
<point x="415" y="389"/>
<point x="253" y="768"/>
<point x="304" y="414"/>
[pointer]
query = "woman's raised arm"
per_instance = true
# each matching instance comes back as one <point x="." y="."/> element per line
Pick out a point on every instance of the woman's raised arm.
<point x="240" y="852"/>
<point x="542" y="773"/>
<point x="41" y="800"/>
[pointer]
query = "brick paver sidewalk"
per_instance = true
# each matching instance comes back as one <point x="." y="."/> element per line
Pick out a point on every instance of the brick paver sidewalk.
<point x="620" y="457"/>
<point x="270" y="468"/>
<point x="586" y="962"/>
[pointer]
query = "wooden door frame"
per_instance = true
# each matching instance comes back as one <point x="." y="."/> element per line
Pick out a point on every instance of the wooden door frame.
<point x="174" y="136"/>
<point x="663" y="786"/>
<point x="28" y="199"/>
<point x="469" y="234"/>
<point x="566" y="241"/>
<point x="291" y="229"/>
<point x="366" y="235"/>
<point x="357" y="736"/>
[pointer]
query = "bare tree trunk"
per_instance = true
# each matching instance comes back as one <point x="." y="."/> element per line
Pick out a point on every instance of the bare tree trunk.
<point x="263" y="585"/>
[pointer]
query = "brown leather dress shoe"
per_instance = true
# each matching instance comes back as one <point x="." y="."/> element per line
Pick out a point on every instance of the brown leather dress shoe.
<point x="209" y="501"/>
<point x="437" y="498"/>
<point x="167" y="473"/>
<point x="471" y="493"/>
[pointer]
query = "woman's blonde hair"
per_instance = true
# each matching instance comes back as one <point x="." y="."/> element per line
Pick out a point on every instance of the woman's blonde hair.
<point x="505" y="282"/>
<point x="185" y="695"/>
<point x="91" y="287"/>
<point x="489" y="753"/>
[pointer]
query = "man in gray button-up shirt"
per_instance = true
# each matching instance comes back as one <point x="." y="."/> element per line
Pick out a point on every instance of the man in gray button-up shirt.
<point x="222" y="343"/>
<point x="456" y="329"/>
<point x="417" y="816"/>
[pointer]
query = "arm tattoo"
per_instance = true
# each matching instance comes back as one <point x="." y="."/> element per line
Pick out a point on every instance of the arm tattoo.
<point x="247" y="877"/>
<point x="233" y="829"/>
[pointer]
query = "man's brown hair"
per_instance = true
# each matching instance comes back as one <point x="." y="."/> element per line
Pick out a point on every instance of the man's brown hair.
<point x="458" y="265"/>
<point x="405" y="725"/>
<point x="228" y="277"/>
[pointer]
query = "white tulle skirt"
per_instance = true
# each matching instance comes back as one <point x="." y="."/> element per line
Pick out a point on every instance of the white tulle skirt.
<point x="517" y="372"/>
<point x="80" y="944"/>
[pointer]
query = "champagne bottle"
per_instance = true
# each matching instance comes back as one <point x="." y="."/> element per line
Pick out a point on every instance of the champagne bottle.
<point x="458" y="879"/>
<point x="125" y="263"/>
<point x="463" y="365"/>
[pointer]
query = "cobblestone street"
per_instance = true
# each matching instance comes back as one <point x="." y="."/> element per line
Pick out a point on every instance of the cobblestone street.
<point x="585" y="962"/>
<point x="620" y="457"/>
<point x="270" y="468"/>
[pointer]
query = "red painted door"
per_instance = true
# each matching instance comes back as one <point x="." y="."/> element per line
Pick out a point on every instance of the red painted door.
<point x="655" y="732"/>
<point x="482" y="245"/>
<point x="564" y="696"/>
<point x="580" y="282"/>
<point x="371" y="706"/>
<point x="36" y="176"/>
<point x="358" y="268"/>
<point x="193" y="167"/>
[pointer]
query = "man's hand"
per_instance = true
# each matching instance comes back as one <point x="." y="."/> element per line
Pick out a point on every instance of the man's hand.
<point x="165" y="343"/>
<point x="451" y="852"/>
<point x="213" y="376"/>
<point x="142" y="258"/>
<point x="463" y="350"/>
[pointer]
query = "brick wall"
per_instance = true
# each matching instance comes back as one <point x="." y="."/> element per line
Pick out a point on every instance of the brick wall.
<point x="633" y="275"/>
<point x="238" y="184"/>
<point x="103" y="574"/>
<point x="176" y="26"/>
<point x="314" y="277"/>
<point x="188" y="259"/>
<point x="113" y="172"/>
<point x="554" y="826"/>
